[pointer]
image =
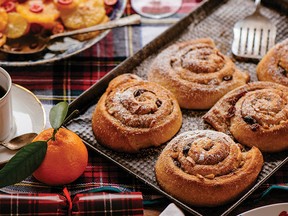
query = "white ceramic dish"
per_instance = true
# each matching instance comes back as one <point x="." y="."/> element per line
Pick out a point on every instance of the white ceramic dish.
<point x="279" y="209"/>
<point x="29" y="116"/>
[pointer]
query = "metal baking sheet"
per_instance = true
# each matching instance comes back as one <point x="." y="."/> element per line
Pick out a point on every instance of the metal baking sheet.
<point x="213" y="19"/>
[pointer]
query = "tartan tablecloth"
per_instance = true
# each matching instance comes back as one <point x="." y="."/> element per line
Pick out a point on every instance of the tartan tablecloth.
<point x="65" y="80"/>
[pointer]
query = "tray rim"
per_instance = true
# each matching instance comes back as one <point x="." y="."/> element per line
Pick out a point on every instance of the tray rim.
<point x="136" y="60"/>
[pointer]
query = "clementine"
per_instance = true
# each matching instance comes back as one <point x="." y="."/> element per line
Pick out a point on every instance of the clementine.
<point x="65" y="160"/>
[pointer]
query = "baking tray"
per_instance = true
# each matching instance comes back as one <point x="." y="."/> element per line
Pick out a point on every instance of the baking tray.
<point x="215" y="19"/>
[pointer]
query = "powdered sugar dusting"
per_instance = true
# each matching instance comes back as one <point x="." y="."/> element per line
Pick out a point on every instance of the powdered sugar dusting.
<point x="205" y="152"/>
<point x="195" y="66"/>
<point x="140" y="104"/>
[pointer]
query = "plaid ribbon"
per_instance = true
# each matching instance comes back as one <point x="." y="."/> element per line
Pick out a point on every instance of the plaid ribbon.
<point x="66" y="80"/>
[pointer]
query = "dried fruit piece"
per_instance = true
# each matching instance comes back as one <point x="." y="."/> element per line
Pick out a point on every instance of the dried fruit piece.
<point x="9" y="6"/>
<point x="186" y="150"/>
<point x="36" y="7"/>
<point x="249" y="120"/>
<point x="65" y="2"/>
<point x="17" y="25"/>
<point x="58" y="28"/>
<point x="66" y="5"/>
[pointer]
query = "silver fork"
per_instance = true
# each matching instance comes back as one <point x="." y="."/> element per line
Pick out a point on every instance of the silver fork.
<point x="254" y="35"/>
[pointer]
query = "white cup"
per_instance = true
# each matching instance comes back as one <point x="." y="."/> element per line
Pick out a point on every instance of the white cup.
<point x="6" y="116"/>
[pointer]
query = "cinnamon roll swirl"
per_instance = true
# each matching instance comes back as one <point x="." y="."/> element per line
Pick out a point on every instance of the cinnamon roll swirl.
<point x="207" y="168"/>
<point x="196" y="72"/>
<point x="133" y="114"/>
<point x="274" y="65"/>
<point x="255" y="114"/>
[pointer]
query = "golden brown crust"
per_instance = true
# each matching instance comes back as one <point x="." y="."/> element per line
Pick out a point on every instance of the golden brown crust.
<point x="133" y="114"/>
<point x="206" y="168"/>
<point x="255" y="114"/>
<point x="274" y="65"/>
<point x="196" y="72"/>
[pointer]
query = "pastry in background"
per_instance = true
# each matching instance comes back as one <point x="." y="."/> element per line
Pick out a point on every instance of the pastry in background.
<point x="134" y="114"/>
<point x="196" y="72"/>
<point x="83" y="14"/>
<point x="274" y="65"/>
<point x="255" y="115"/>
<point x="207" y="168"/>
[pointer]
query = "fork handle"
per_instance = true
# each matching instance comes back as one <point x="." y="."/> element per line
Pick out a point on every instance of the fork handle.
<point x="258" y="4"/>
<point x="128" y="20"/>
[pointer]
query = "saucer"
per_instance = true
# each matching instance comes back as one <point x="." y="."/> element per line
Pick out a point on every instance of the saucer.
<point x="273" y="209"/>
<point x="29" y="116"/>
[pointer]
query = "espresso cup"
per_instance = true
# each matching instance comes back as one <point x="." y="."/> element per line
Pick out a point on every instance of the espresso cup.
<point x="6" y="116"/>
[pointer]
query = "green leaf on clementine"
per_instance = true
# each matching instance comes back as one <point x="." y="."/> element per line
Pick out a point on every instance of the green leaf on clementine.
<point x="58" y="114"/>
<point x="23" y="163"/>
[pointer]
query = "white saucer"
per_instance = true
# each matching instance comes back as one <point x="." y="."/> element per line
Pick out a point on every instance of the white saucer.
<point x="269" y="210"/>
<point x="29" y="116"/>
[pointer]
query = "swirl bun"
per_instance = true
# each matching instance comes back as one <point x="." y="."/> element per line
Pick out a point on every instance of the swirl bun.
<point x="196" y="72"/>
<point x="255" y="114"/>
<point x="207" y="168"/>
<point x="133" y="114"/>
<point x="274" y="65"/>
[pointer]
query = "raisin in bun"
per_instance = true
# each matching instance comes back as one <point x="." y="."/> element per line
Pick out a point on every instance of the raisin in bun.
<point x="207" y="168"/>
<point x="133" y="114"/>
<point x="196" y="72"/>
